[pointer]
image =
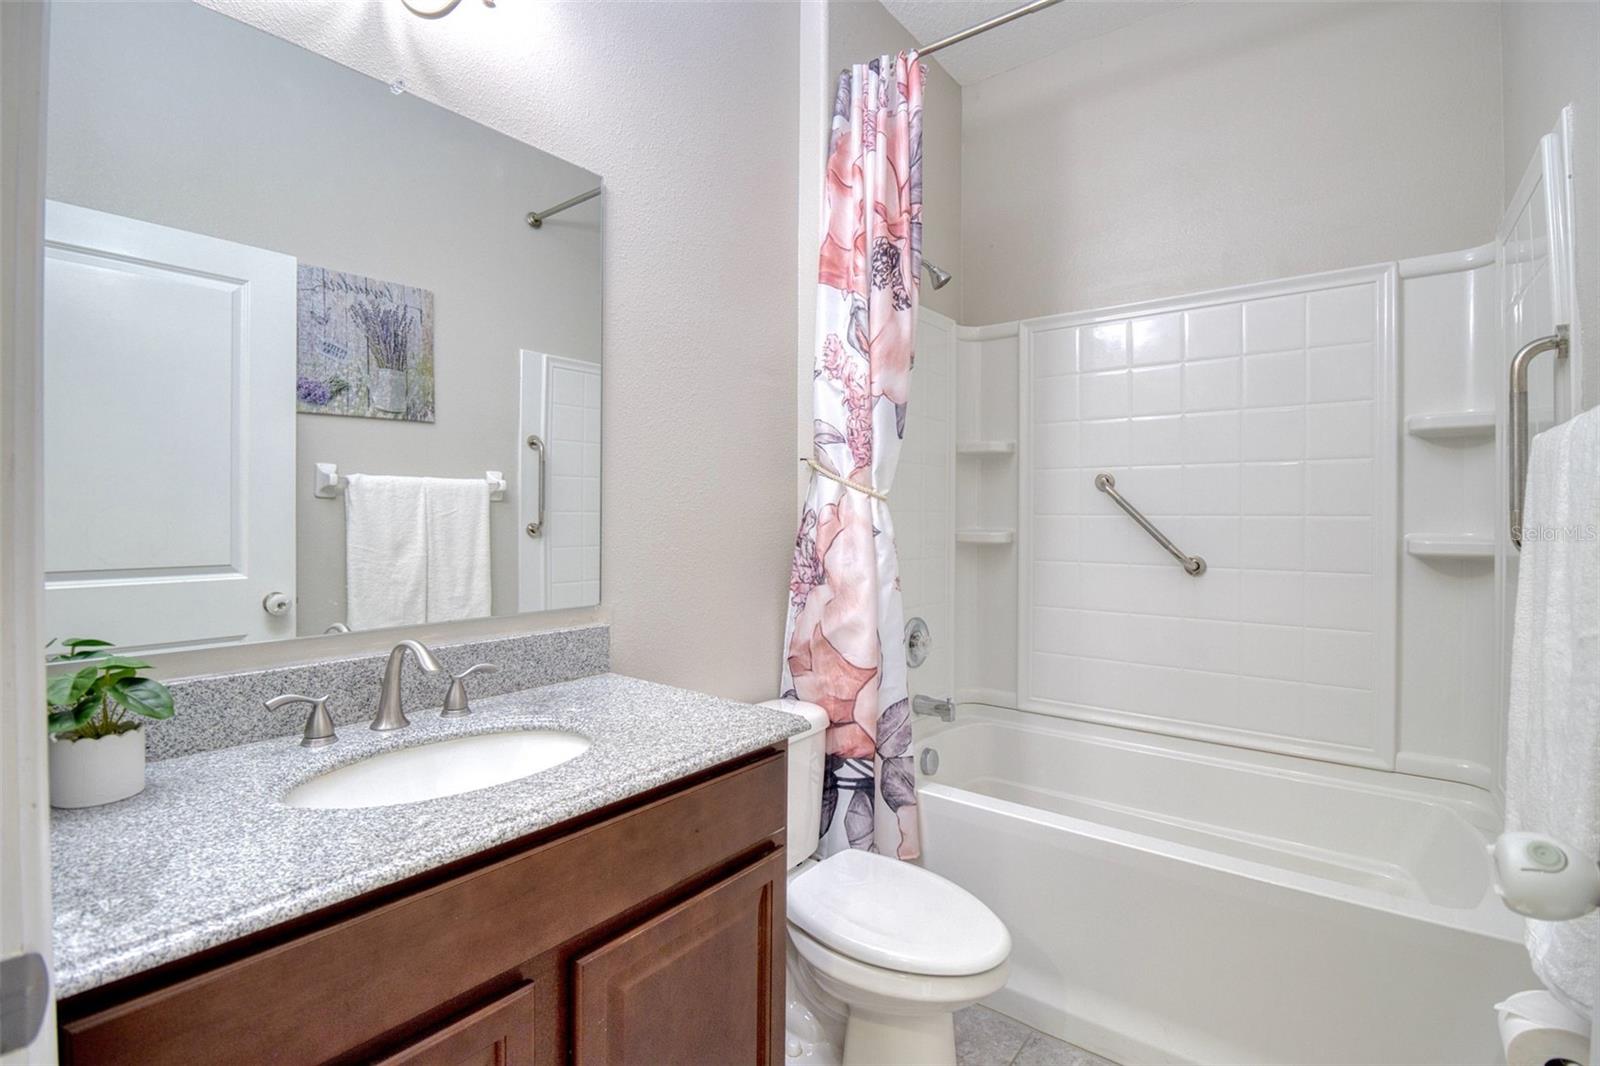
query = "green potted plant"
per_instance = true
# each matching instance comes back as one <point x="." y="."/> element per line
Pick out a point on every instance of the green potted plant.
<point x="96" y="734"/>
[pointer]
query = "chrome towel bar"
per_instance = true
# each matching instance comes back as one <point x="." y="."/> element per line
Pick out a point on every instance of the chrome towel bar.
<point x="1556" y="342"/>
<point x="1191" y="563"/>
<point x="328" y="483"/>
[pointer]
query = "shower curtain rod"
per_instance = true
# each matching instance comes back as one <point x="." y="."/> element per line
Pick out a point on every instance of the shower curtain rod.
<point x="536" y="218"/>
<point x="985" y="27"/>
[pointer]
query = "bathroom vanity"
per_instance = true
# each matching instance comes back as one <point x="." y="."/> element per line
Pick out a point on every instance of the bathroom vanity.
<point x="626" y="906"/>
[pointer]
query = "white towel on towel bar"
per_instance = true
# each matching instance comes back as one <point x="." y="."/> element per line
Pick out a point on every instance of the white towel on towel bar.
<point x="1553" y="730"/>
<point x="386" y="552"/>
<point x="458" y="548"/>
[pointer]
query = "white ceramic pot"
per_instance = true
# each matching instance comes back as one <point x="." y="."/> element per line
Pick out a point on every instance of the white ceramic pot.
<point x="87" y="773"/>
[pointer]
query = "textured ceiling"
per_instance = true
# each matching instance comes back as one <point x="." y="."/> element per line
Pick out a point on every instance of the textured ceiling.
<point x="1033" y="37"/>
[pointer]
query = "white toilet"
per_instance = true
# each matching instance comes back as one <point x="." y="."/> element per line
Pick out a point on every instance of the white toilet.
<point x="882" y="953"/>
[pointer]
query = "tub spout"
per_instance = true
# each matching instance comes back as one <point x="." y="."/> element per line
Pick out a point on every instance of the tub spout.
<point x="944" y="710"/>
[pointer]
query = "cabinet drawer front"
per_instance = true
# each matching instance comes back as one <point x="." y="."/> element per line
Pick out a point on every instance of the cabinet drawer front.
<point x="701" y="983"/>
<point x="497" y="1034"/>
<point x="321" y="995"/>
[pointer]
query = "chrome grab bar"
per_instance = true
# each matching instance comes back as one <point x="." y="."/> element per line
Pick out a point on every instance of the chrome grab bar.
<point x="1108" y="485"/>
<point x="536" y="527"/>
<point x="1557" y="342"/>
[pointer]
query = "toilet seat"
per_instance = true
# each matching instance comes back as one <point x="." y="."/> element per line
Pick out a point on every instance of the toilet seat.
<point x="866" y="987"/>
<point x="892" y="916"/>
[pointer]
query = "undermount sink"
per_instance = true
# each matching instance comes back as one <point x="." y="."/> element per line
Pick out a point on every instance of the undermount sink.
<point x="442" y="768"/>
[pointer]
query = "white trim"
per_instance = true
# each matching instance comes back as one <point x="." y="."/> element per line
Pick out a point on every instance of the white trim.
<point x="1024" y="541"/>
<point x="1233" y="738"/>
<point x="1441" y="768"/>
<point x="1423" y="266"/>
<point x="995" y="332"/>
<point x="1386" y="434"/>
<point x="1256" y="290"/>
<point x="25" y="905"/>
<point x="1560" y="200"/>
<point x="1386" y="517"/>
<point x="947" y="325"/>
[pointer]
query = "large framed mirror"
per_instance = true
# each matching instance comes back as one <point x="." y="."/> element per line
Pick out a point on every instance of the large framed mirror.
<point x="318" y="354"/>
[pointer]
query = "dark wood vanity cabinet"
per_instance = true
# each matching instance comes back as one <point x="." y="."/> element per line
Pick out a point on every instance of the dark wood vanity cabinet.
<point x="650" y="932"/>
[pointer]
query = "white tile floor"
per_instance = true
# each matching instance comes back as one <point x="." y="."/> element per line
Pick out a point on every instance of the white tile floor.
<point x="988" y="1038"/>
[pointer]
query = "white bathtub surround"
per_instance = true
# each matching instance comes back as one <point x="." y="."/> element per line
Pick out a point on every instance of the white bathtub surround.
<point x="1255" y="427"/>
<point x="924" y="504"/>
<point x="1287" y="911"/>
<point x="1553" y="735"/>
<point x="1267" y="493"/>
<point x="1451" y="710"/>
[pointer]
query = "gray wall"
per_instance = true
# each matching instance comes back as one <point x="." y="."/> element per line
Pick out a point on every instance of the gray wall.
<point x="174" y="114"/>
<point x="861" y="30"/>
<point x="689" y="110"/>
<point x="1552" y="58"/>
<point x="1223" y="143"/>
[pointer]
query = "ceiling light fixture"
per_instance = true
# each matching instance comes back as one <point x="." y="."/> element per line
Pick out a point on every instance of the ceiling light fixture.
<point x="435" y="9"/>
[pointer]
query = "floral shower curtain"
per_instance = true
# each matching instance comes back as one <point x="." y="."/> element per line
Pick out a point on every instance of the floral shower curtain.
<point x="843" y="644"/>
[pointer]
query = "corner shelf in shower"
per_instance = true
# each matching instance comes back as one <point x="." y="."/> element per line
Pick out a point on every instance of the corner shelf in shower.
<point x="1452" y="425"/>
<point x="1450" y="545"/>
<point x="985" y="536"/>
<point x="986" y="447"/>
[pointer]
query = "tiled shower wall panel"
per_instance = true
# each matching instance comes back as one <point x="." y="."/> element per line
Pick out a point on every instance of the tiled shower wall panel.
<point x="1255" y="426"/>
<point x="573" y="518"/>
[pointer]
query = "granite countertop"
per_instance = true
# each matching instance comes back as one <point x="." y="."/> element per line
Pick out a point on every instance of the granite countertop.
<point x="209" y="852"/>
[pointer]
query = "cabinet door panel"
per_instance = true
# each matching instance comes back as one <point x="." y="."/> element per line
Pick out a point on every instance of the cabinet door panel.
<point x="701" y="983"/>
<point x="498" y="1034"/>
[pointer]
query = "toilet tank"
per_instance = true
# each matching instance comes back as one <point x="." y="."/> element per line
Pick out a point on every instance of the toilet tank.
<point x="807" y="751"/>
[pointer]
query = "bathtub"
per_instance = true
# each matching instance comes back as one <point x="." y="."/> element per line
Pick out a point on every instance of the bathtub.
<point x="1174" y="901"/>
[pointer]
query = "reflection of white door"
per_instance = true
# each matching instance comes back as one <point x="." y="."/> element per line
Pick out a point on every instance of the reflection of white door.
<point x="560" y="406"/>
<point x="169" y="433"/>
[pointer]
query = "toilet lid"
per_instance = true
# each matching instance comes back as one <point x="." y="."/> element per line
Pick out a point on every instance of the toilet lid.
<point x="896" y="916"/>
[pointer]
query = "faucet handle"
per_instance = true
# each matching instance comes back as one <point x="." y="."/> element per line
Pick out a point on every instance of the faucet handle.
<point x="319" y="723"/>
<point x="455" y="700"/>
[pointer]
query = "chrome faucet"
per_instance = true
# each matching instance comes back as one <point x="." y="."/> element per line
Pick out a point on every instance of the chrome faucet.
<point x="318" y="732"/>
<point x="391" y="715"/>
<point x="944" y="710"/>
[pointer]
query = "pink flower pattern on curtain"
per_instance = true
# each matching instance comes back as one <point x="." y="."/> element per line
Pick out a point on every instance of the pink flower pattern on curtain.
<point x="843" y="639"/>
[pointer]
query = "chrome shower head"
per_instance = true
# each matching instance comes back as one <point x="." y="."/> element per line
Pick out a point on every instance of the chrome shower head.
<point x="940" y="278"/>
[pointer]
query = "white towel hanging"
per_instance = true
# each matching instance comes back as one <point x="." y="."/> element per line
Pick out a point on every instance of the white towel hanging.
<point x="1553" y="729"/>
<point x="386" y="552"/>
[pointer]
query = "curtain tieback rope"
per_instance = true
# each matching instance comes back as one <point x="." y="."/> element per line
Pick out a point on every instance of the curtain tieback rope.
<point x="818" y="468"/>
